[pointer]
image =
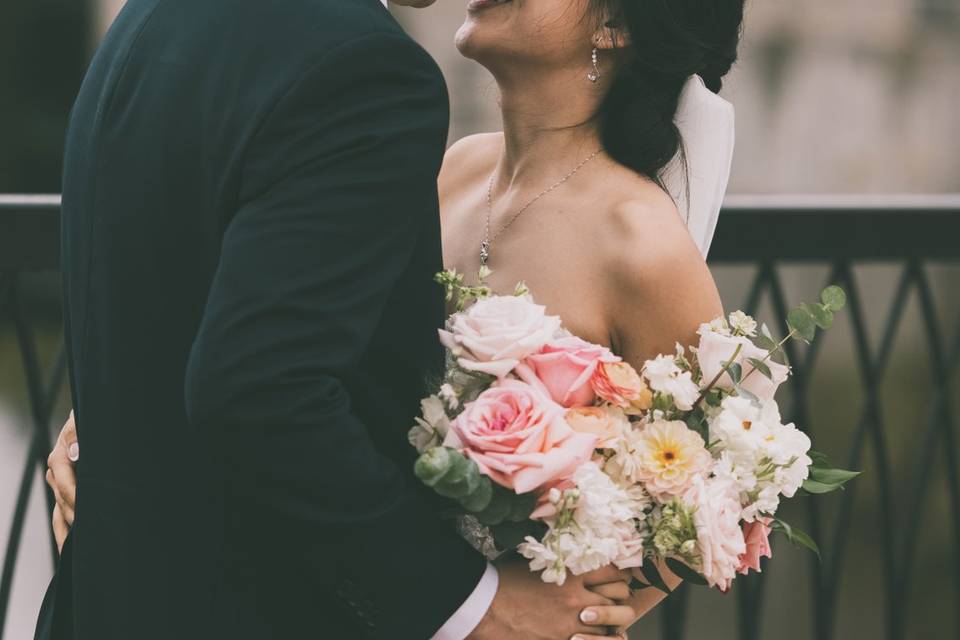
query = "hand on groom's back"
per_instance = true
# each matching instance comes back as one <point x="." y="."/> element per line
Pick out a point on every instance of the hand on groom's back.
<point x="526" y="607"/>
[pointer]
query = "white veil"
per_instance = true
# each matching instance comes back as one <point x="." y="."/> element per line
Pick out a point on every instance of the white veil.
<point x="706" y="123"/>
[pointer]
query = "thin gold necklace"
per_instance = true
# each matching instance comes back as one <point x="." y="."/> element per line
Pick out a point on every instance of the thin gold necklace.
<point x="487" y="243"/>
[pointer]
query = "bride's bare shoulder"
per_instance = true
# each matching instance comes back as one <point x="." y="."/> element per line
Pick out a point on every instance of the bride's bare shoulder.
<point x="644" y="228"/>
<point x="469" y="159"/>
<point x="645" y="242"/>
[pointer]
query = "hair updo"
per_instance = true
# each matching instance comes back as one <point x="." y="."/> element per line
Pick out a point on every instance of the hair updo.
<point x="669" y="40"/>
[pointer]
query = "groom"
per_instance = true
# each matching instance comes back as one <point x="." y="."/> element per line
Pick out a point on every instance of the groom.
<point x="250" y="232"/>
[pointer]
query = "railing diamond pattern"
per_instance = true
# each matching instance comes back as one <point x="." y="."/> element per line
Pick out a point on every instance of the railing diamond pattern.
<point x="909" y="232"/>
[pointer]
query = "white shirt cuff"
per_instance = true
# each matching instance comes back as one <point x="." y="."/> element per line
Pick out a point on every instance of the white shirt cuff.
<point x="465" y="619"/>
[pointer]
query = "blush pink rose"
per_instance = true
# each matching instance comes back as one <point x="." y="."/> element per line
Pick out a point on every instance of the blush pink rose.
<point x="757" y="536"/>
<point x="519" y="438"/>
<point x="496" y="333"/>
<point x="563" y="369"/>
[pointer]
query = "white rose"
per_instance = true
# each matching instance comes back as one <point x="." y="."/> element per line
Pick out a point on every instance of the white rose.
<point x="715" y="349"/>
<point x="743" y="324"/>
<point x="496" y="333"/>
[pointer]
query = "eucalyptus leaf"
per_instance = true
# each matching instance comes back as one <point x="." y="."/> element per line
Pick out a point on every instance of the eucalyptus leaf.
<point x="736" y="372"/>
<point x="461" y="480"/>
<point x="765" y="332"/>
<point x="498" y="509"/>
<point x="822" y="315"/>
<point x="802" y="322"/>
<point x="681" y="570"/>
<point x="769" y="344"/>
<point x="834" y="297"/>
<point x="480" y="498"/>
<point x="761" y="366"/>
<point x="433" y="465"/>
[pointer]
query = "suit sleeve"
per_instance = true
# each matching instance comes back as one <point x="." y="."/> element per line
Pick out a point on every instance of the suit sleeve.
<point x="338" y="184"/>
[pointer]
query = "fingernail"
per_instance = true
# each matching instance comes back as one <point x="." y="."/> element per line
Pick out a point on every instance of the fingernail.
<point x="577" y="638"/>
<point x="73" y="451"/>
<point x="589" y="616"/>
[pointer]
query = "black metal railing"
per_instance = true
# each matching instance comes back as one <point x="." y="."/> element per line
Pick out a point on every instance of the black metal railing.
<point x="762" y="233"/>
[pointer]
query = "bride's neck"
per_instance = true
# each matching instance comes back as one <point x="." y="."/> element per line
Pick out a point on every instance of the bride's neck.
<point x="548" y="124"/>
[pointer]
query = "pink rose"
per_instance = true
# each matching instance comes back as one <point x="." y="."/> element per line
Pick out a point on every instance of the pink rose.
<point x="496" y="333"/>
<point x="716" y="348"/>
<point x="518" y="437"/>
<point x="606" y="423"/>
<point x="563" y="369"/>
<point x="716" y="514"/>
<point x="620" y="384"/>
<point x="757" y="536"/>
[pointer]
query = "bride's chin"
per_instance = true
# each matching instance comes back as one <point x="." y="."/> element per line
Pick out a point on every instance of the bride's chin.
<point x="473" y="43"/>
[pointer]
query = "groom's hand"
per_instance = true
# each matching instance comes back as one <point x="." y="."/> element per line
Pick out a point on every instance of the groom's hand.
<point x="526" y="607"/>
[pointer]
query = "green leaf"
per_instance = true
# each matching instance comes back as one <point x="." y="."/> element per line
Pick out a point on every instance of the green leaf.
<point x="822" y="315"/>
<point x="802" y="322"/>
<point x="813" y="486"/>
<point x="768" y="344"/>
<point x="697" y="422"/>
<point x="761" y="366"/>
<point x="837" y="477"/>
<point x="819" y="459"/>
<point x="652" y="574"/>
<point x="834" y="298"/>
<point x="461" y="480"/>
<point x="794" y="535"/>
<point x="498" y="509"/>
<point x="681" y="570"/>
<point x="479" y="499"/>
<point x="802" y="538"/>
<point x="736" y="372"/>
<point x="521" y="507"/>
<point x="433" y="465"/>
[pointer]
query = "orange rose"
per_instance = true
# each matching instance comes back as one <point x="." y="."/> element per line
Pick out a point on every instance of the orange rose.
<point x="620" y="384"/>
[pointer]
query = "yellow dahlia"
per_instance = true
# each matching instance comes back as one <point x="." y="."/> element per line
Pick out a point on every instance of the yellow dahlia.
<point x="668" y="456"/>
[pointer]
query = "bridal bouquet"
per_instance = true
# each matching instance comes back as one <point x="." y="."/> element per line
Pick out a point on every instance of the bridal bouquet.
<point x="560" y="449"/>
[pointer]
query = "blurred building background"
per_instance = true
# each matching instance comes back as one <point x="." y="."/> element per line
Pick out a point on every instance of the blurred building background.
<point x="850" y="96"/>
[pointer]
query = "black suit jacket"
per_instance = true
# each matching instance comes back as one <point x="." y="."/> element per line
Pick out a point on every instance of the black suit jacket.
<point x="250" y="231"/>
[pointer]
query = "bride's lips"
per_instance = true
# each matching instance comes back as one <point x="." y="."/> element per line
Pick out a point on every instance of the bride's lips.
<point x="479" y="5"/>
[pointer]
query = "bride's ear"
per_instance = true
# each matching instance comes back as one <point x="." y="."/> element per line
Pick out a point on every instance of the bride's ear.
<point x="611" y="36"/>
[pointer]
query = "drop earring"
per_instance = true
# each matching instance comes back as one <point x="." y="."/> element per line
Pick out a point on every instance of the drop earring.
<point x="594" y="74"/>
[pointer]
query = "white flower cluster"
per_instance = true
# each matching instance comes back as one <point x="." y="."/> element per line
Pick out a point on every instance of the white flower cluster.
<point x="665" y="376"/>
<point x="762" y="457"/>
<point x="596" y="524"/>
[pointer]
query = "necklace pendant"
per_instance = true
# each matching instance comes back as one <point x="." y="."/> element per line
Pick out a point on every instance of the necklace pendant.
<point x="484" y="252"/>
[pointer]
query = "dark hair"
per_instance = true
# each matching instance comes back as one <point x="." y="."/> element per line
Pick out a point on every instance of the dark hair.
<point x="670" y="40"/>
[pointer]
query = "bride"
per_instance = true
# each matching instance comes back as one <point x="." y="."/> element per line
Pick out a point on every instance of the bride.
<point x="602" y="190"/>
